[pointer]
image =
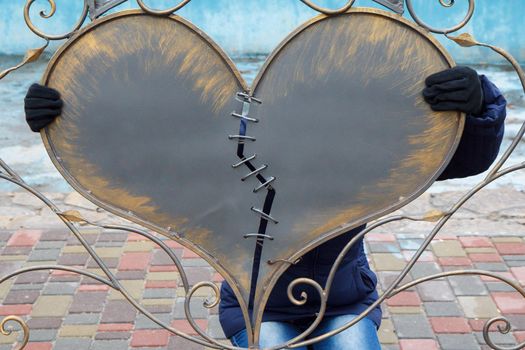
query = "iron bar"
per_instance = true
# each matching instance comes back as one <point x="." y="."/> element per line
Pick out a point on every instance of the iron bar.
<point x="241" y="138"/>
<point x="258" y="235"/>
<point x="245" y="97"/>
<point x="254" y="172"/>
<point x="264" y="184"/>
<point x="244" y="117"/>
<point x="264" y="215"/>
<point x="244" y="161"/>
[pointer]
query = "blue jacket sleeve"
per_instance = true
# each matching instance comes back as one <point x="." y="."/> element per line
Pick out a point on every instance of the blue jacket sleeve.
<point x="482" y="136"/>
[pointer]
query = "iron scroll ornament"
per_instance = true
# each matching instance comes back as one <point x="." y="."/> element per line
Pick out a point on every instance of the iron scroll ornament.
<point x="247" y="100"/>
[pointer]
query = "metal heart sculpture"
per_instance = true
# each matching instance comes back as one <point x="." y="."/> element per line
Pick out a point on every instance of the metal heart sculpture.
<point x="342" y="136"/>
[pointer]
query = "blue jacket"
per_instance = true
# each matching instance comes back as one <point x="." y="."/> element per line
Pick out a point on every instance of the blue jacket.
<point x="354" y="287"/>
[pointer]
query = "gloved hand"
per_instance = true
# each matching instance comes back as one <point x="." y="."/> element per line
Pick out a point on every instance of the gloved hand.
<point x="455" y="89"/>
<point x="42" y="105"/>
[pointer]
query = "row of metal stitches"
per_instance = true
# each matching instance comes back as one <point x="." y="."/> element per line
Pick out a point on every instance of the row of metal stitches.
<point x="250" y="162"/>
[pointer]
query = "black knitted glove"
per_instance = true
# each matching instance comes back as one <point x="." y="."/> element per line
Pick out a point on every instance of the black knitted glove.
<point x="455" y="89"/>
<point x="42" y="105"/>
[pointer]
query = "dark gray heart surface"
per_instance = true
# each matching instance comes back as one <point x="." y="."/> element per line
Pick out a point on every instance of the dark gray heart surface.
<point x="343" y="135"/>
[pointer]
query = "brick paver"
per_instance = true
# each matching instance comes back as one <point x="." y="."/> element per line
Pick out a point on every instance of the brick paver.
<point x="66" y="311"/>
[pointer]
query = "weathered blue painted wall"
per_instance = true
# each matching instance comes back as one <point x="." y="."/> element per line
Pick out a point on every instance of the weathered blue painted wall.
<point x="248" y="26"/>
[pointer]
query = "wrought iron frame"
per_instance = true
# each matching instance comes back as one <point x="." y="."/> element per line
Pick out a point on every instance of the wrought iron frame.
<point x="96" y="8"/>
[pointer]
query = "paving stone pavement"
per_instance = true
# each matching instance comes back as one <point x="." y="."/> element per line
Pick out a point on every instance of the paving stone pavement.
<point x="67" y="311"/>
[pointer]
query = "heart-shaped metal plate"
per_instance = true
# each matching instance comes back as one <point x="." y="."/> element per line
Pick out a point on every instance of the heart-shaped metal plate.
<point x="343" y="135"/>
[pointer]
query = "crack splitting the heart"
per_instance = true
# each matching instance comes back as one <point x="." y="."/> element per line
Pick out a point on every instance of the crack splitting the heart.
<point x="261" y="235"/>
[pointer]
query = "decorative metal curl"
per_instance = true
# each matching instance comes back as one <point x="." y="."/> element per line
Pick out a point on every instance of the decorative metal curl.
<point x="445" y="3"/>
<point x="328" y="11"/>
<point x="304" y="296"/>
<point x="6" y="331"/>
<point x="166" y="12"/>
<point x="207" y="304"/>
<point x="448" y="3"/>
<point x="43" y="14"/>
<point x="503" y="330"/>
<point x="300" y="302"/>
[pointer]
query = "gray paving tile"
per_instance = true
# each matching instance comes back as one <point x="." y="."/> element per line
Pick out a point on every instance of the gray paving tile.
<point x="117" y="237"/>
<point x="113" y="336"/>
<point x="497" y="338"/>
<point x="49" y="244"/>
<point x="214" y="327"/>
<point x="159" y="293"/>
<point x="56" y="235"/>
<point x="86" y="318"/>
<point x="21" y="297"/>
<point x="467" y="285"/>
<point x="44" y="255"/>
<point x="412" y="326"/>
<point x="110" y="345"/>
<point x="72" y="343"/>
<point x="32" y="277"/>
<point x="143" y="322"/>
<point x="44" y="323"/>
<point x="60" y="288"/>
<point x="195" y="306"/>
<point x="517" y="322"/>
<point x="37" y="286"/>
<point x="492" y="266"/>
<point x="131" y="275"/>
<point x="435" y="291"/>
<point x="118" y="311"/>
<point x="410" y="244"/>
<point x="515" y="263"/>
<point x="379" y="247"/>
<point x="423" y="269"/>
<point x="108" y="244"/>
<point x="458" y="342"/>
<point x="86" y="302"/>
<point x="42" y="335"/>
<point x="499" y="287"/>
<point x="180" y="343"/>
<point x="442" y="308"/>
<point x="514" y="257"/>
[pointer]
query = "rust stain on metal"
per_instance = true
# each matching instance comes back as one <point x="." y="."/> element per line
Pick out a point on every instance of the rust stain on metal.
<point x="106" y="43"/>
<point x="330" y="219"/>
<point x="417" y="59"/>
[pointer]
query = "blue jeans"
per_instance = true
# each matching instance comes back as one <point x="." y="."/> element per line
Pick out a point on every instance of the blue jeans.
<point x="361" y="336"/>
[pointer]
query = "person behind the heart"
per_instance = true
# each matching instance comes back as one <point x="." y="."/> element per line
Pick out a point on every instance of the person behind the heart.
<point x="455" y="89"/>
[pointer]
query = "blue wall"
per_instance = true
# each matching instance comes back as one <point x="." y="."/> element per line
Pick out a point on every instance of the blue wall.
<point x="248" y="26"/>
